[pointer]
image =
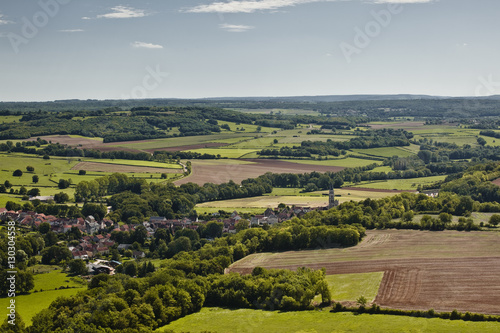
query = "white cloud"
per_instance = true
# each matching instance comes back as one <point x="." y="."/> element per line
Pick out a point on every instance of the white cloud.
<point x="235" y="27"/>
<point x="246" y="6"/>
<point x="142" y="45"/>
<point x="124" y="12"/>
<point x="2" y="20"/>
<point x="71" y="30"/>
<point x="251" y="6"/>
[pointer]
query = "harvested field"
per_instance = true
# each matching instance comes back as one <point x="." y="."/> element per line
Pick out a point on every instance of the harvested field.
<point x="108" y="167"/>
<point x="73" y="141"/>
<point x="224" y="170"/>
<point x="496" y="181"/>
<point x="422" y="270"/>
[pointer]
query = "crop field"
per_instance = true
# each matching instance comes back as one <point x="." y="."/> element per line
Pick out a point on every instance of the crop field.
<point x="384" y="152"/>
<point x="349" y="162"/>
<point x="105" y="167"/>
<point x="422" y="269"/>
<point x="290" y="197"/>
<point x="137" y="163"/>
<point x="28" y="305"/>
<point x="257" y="321"/>
<point x="276" y="111"/>
<point x="409" y="126"/>
<point x="221" y="171"/>
<point x="409" y="184"/>
<point x="246" y="127"/>
<point x="225" y="152"/>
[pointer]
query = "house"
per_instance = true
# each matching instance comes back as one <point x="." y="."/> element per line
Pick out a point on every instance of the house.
<point x="138" y="254"/>
<point x="124" y="246"/>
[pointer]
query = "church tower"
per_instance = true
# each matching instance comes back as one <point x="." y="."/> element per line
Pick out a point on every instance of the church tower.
<point x="331" y="198"/>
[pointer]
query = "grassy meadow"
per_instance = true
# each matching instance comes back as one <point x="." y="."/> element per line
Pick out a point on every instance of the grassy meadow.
<point x="50" y="282"/>
<point x="257" y="321"/>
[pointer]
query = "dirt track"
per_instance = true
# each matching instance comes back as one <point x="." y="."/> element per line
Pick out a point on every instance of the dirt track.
<point x="443" y="271"/>
<point x="222" y="173"/>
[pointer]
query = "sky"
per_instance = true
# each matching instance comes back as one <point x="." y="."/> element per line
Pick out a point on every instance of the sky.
<point x="116" y="49"/>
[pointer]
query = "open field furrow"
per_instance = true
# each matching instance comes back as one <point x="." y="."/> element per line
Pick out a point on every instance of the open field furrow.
<point x="224" y="170"/>
<point x="423" y="270"/>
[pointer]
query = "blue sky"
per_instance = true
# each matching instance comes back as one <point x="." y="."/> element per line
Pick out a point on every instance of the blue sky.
<point x="100" y="49"/>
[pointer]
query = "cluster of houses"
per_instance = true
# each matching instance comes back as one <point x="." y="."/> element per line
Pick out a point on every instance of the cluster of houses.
<point x="97" y="235"/>
<point x="89" y="225"/>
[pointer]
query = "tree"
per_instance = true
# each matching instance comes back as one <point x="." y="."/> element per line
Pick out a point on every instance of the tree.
<point x="53" y="255"/>
<point x="77" y="267"/>
<point x="61" y="197"/>
<point x="481" y="141"/>
<point x="44" y="228"/>
<point x="242" y="225"/>
<point x="213" y="229"/>
<point x="35" y="179"/>
<point x="34" y="192"/>
<point x="63" y="183"/>
<point x="11" y="205"/>
<point x="362" y="301"/>
<point x="82" y="172"/>
<point x="96" y="210"/>
<point x="14" y="326"/>
<point x="494" y="219"/>
<point x="130" y="268"/>
<point x="23" y="190"/>
<point x="29" y="168"/>
<point x="7" y="184"/>
<point x="17" y="173"/>
<point x="46" y="157"/>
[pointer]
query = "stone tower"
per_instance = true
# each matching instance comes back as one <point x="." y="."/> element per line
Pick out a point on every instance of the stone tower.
<point x="331" y="198"/>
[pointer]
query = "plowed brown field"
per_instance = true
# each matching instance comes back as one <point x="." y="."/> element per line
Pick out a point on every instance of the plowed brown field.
<point x="220" y="172"/>
<point x="423" y="270"/>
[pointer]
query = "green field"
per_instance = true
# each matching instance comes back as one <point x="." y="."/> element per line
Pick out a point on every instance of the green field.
<point x="410" y="184"/>
<point x="257" y="321"/>
<point x="136" y="163"/>
<point x="349" y="287"/>
<point x="50" y="171"/>
<point x="349" y="162"/>
<point x="28" y="305"/>
<point x="384" y="152"/>
<point x="9" y="119"/>
<point x="276" y="111"/>
<point x="290" y="197"/>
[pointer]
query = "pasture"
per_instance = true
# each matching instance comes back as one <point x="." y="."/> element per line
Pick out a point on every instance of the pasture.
<point x="257" y="321"/>
<point x="384" y="152"/>
<point x="409" y="184"/>
<point x="349" y="287"/>
<point x="29" y="305"/>
<point x="422" y="269"/>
